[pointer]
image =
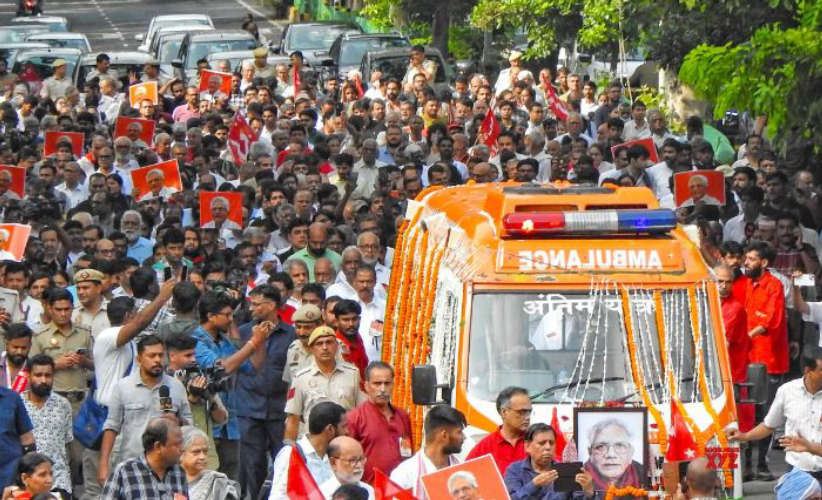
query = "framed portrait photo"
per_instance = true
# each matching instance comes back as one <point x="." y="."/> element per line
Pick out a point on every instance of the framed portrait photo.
<point x="612" y="444"/>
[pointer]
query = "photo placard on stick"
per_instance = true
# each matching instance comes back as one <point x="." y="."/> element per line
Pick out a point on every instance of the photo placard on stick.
<point x="135" y="129"/>
<point x="612" y="444"/>
<point x="214" y="85"/>
<point x="647" y="143"/>
<point x="12" y="182"/>
<point x="221" y="209"/>
<point x="13" y="241"/>
<point x="159" y="180"/>
<point x="141" y="91"/>
<point x="478" y="478"/>
<point x="52" y="137"/>
<point x="700" y="186"/>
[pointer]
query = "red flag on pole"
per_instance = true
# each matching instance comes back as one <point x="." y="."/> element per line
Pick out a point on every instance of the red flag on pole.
<point x="489" y="131"/>
<point x="560" y="437"/>
<point x="681" y="444"/>
<point x="240" y="138"/>
<point x="553" y="101"/>
<point x="301" y="484"/>
<point x="386" y="489"/>
<point x="296" y="81"/>
<point x="358" y="85"/>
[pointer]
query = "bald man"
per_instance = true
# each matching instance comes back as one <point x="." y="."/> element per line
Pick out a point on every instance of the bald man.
<point x="324" y="271"/>
<point x="317" y="248"/>
<point x="347" y="461"/>
<point x="483" y="172"/>
<point x="701" y="480"/>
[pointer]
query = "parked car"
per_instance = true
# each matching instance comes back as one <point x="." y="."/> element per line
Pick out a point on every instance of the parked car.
<point x="8" y="51"/>
<point x="63" y="39"/>
<point x="196" y="46"/>
<point x="158" y="22"/>
<point x="236" y="58"/>
<point x="313" y="39"/>
<point x="347" y="51"/>
<point x="19" y="32"/>
<point x="34" y="65"/>
<point x="177" y="28"/>
<point x="394" y="63"/>
<point x="123" y="62"/>
<point x="53" y="23"/>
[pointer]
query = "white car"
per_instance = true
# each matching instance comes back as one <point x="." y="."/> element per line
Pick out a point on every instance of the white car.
<point x="158" y="22"/>
<point x="59" y="39"/>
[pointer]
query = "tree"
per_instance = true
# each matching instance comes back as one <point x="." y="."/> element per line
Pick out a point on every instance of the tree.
<point x="777" y="72"/>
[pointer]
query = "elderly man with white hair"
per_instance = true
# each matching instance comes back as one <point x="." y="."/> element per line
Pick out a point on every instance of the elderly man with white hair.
<point x="155" y="179"/>
<point x="5" y="235"/>
<point x="5" y="185"/>
<point x="131" y="225"/>
<point x="347" y="460"/>
<point x="698" y="188"/>
<point x="462" y="485"/>
<point x="220" y="207"/>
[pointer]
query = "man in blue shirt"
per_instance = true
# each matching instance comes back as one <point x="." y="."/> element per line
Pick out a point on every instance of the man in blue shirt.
<point x="261" y="397"/>
<point x="16" y="435"/>
<point x="533" y="477"/>
<point x="131" y="225"/>
<point x="216" y="345"/>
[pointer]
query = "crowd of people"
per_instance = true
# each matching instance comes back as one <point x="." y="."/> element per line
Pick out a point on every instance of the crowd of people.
<point x="145" y="354"/>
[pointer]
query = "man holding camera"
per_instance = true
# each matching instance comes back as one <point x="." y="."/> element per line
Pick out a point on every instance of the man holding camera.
<point x="215" y="347"/>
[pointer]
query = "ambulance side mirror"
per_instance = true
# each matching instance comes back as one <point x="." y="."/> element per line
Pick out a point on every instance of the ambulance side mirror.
<point x="424" y="386"/>
<point x="756" y="384"/>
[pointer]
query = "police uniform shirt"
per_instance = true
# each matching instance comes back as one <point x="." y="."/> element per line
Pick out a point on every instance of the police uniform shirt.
<point x="311" y="386"/>
<point x="95" y="323"/>
<point x="297" y="358"/>
<point x="53" y="342"/>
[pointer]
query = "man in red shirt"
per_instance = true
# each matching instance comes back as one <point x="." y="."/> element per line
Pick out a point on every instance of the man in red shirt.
<point x="348" y="313"/>
<point x="506" y="444"/>
<point x="383" y="431"/>
<point x="768" y="330"/>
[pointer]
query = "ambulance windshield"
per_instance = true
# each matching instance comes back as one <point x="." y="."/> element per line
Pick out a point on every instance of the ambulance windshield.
<point x="573" y="346"/>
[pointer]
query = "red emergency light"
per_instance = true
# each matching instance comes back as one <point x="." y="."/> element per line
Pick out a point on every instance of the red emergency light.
<point x="589" y="222"/>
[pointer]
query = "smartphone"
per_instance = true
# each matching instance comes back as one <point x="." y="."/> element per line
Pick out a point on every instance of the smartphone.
<point x="82" y="352"/>
<point x="805" y="280"/>
<point x="167" y="273"/>
<point x="184" y="274"/>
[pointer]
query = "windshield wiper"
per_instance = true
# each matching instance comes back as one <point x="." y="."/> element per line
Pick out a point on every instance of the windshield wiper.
<point x="652" y="387"/>
<point x="573" y="383"/>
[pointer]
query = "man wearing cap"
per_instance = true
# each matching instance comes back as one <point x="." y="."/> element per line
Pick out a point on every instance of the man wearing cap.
<point x="260" y="396"/>
<point x="56" y="85"/>
<point x="91" y="310"/>
<point x="261" y="67"/>
<point x="306" y="319"/>
<point x="324" y="379"/>
<point x="508" y="77"/>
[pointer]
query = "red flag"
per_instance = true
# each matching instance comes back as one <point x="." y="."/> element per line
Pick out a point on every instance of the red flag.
<point x="681" y="444"/>
<point x="560" y="437"/>
<point x="296" y="81"/>
<point x="553" y="101"/>
<point x="386" y="489"/>
<point x="301" y="484"/>
<point x="240" y="138"/>
<point x="358" y="85"/>
<point x="489" y="131"/>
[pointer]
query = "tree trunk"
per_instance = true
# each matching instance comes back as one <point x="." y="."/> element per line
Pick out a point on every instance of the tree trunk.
<point x="439" y="27"/>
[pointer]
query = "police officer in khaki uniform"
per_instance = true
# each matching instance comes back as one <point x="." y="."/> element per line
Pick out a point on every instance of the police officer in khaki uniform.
<point x="306" y="319"/>
<point x="91" y="310"/>
<point x="325" y="379"/>
<point x="261" y="67"/>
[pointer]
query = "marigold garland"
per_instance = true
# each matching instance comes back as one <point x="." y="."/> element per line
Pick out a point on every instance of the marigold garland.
<point x="614" y="492"/>
<point x="396" y="275"/>
<point x="402" y="388"/>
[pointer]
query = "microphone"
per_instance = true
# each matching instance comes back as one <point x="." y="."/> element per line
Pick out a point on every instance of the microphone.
<point x="166" y="405"/>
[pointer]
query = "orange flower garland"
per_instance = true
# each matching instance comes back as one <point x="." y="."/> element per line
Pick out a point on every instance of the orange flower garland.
<point x="402" y="388"/>
<point x="614" y="492"/>
<point x="388" y="335"/>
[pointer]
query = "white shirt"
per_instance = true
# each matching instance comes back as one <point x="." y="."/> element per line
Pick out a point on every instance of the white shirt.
<point x="814" y="315"/>
<point x="329" y="487"/>
<point x="734" y="229"/>
<point x="366" y="178"/>
<point x="32" y="310"/>
<point x="407" y="475"/>
<point x="111" y="363"/>
<point x="633" y="131"/>
<point x="74" y="196"/>
<point x="343" y="289"/>
<point x="372" y="319"/>
<point x="801" y="414"/>
<point x="319" y="467"/>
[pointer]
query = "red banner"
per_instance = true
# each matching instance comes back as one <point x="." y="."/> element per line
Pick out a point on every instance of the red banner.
<point x="646" y="143"/>
<point x="301" y="483"/>
<point x="553" y="101"/>
<point x="240" y="138"/>
<point x="55" y="136"/>
<point x="135" y="129"/>
<point x="386" y="489"/>
<point x="14" y="180"/>
<point x="489" y="132"/>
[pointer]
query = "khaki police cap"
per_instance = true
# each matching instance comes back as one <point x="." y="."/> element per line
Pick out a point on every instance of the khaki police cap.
<point x="319" y="332"/>
<point x="260" y="52"/>
<point x="307" y="313"/>
<point x="88" y="275"/>
<point x="58" y="62"/>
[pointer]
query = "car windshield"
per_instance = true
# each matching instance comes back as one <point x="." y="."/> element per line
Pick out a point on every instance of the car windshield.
<point x="69" y="43"/>
<point x="16" y="35"/>
<point x="200" y="50"/>
<point x="573" y="347"/>
<point x="40" y="66"/>
<point x="352" y="51"/>
<point x="314" y="37"/>
<point x="169" y="48"/>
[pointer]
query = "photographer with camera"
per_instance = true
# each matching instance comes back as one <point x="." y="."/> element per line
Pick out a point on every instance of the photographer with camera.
<point x="207" y="408"/>
<point x="216" y="345"/>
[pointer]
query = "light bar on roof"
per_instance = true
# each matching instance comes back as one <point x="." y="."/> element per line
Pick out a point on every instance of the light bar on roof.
<point x="589" y="222"/>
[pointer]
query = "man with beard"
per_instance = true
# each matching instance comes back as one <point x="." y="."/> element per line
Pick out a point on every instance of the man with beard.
<point x="261" y="396"/>
<point x="383" y="430"/>
<point x="131" y="225"/>
<point x="317" y="247"/>
<point x="140" y="393"/>
<point x="50" y="415"/>
<point x="347" y="313"/>
<point x="173" y="241"/>
<point x="661" y="173"/>
<point x="13" y="372"/>
<point x="764" y="301"/>
<point x="215" y="347"/>
<point x="191" y="246"/>
<point x="370" y="247"/>
<point x="443" y="441"/>
<point x="347" y="460"/>
<point x="344" y="284"/>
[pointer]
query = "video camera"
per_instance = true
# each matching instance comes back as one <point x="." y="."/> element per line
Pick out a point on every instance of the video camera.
<point x="217" y="380"/>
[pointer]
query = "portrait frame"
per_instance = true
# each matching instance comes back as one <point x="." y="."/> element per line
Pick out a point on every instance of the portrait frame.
<point x="482" y="469"/>
<point x="715" y="190"/>
<point x="171" y="172"/>
<point x="634" y="419"/>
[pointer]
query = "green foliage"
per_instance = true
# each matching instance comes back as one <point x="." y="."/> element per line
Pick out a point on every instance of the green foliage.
<point x="777" y="73"/>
